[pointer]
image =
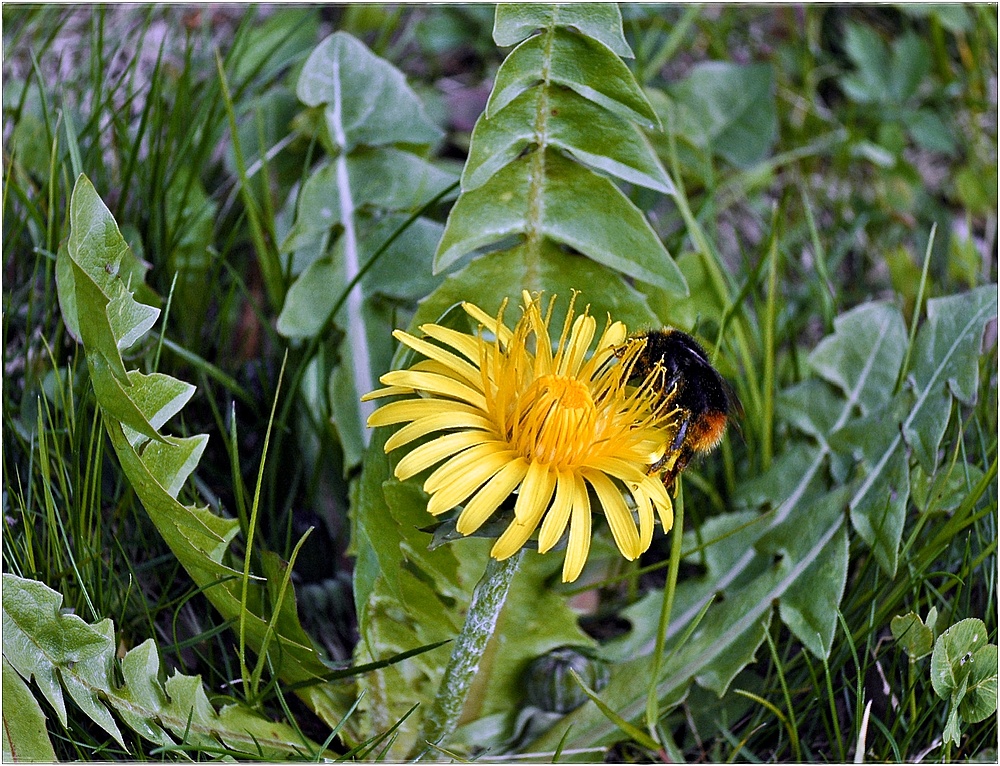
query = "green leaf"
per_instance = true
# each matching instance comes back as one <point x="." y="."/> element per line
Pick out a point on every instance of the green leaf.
<point x="930" y="131"/>
<point x="134" y="407"/>
<point x="602" y="21"/>
<point x="950" y="661"/>
<point x="486" y="281"/>
<point x="579" y="63"/>
<point x="366" y="99"/>
<point x="946" y="489"/>
<point x="380" y="179"/>
<point x="870" y="81"/>
<point x="500" y="208"/>
<point x="62" y="651"/>
<point x="729" y="109"/>
<point x="588" y="132"/>
<point x="97" y="252"/>
<point x="980" y="700"/>
<point x="403" y="272"/>
<point x="732" y="629"/>
<point x="945" y="364"/>
<point x="910" y="632"/>
<point x="25" y="737"/>
<point x="911" y="62"/>
<point x="863" y="359"/>
<point x="878" y="506"/>
<point x="805" y="607"/>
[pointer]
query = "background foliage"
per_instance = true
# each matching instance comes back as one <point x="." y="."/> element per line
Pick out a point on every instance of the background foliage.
<point x="812" y="191"/>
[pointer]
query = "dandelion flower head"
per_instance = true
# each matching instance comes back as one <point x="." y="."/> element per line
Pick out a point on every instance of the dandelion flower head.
<point x="552" y="426"/>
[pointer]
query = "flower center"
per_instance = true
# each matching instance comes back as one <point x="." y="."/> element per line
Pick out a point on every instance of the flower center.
<point x="556" y="421"/>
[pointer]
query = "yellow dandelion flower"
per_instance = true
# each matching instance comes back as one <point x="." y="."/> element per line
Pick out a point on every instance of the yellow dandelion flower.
<point x="511" y="416"/>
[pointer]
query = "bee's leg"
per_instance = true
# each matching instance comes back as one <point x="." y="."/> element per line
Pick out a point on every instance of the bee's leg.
<point x="681" y="434"/>
<point x="670" y="451"/>
<point x="671" y="474"/>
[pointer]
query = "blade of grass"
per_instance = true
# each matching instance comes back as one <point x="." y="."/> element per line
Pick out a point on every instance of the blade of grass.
<point x="262" y="235"/>
<point x="666" y="606"/>
<point x="250" y="690"/>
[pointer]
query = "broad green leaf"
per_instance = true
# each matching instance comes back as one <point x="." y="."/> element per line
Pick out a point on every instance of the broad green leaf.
<point x="946" y="489"/>
<point x="402" y="272"/>
<point x="97" y="251"/>
<point x="808" y="606"/>
<point x="381" y="179"/>
<point x="878" y="505"/>
<point x="737" y="653"/>
<point x="953" y="652"/>
<point x="590" y="133"/>
<point x="602" y="21"/>
<point x="931" y="131"/>
<point x="729" y="109"/>
<point x="812" y="406"/>
<point x="500" y="208"/>
<point x="577" y="62"/>
<point x="910" y="633"/>
<point x="805" y="531"/>
<point x="702" y="303"/>
<point x="61" y="651"/>
<point x="870" y="80"/>
<point x="945" y="364"/>
<point x="862" y="358"/>
<point x="486" y="281"/>
<point x="25" y="737"/>
<point x="135" y="406"/>
<point x="954" y="18"/>
<point x="911" y="62"/>
<point x="867" y="347"/>
<point x="980" y="700"/>
<point x="366" y="99"/>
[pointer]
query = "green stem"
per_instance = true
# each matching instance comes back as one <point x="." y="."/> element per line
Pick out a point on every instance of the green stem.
<point x="480" y="623"/>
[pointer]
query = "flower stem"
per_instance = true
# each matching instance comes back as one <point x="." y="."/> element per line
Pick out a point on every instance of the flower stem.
<point x="480" y="623"/>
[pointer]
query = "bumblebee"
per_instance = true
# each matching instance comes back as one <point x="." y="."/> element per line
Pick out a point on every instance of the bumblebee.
<point x="706" y="402"/>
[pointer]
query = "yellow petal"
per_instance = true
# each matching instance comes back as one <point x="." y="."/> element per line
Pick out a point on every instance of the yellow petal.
<point x="645" y="511"/>
<point x="469" y="346"/>
<point x="557" y="516"/>
<point x="664" y="509"/>
<point x="620" y="469"/>
<point x="617" y="513"/>
<point x="536" y="490"/>
<point x="579" y="343"/>
<point x="434" y="383"/>
<point x="434" y="451"/>
<point x="454" y="468"/>
<point x="579" y="532"/>
<point x="439" y="422"/>
<point x="457" y="365"/>
<point x="381" y="393"/>
<point x="543" y="343"/>
<point x="489" y="498"/>
<point x="533" y="499"/>
<point x="461" y="485"/>
<point x="502" y="332"/>
<point x="411" y="409"/>
<point x="653" y="486"/>
<point x="614" y="335"/>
